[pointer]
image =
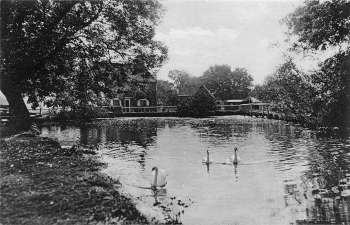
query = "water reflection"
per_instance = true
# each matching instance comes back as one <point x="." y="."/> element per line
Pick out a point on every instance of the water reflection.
<point x="327" y="205"/>
<point x="235" y="166"/>
<point x="221" y="131"/>
<point x="326" y="183"/>
<point x="159" y="196"/>
<point x="291" y="194"/>
<point x="289" y="175"/>
<point x="140" y="132"/>
<point x="207" y="165"/>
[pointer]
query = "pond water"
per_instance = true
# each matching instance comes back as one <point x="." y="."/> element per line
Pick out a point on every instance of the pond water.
<point x="281" y="170"/>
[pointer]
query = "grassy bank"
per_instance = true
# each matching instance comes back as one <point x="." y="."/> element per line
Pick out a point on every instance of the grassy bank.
<point x="41" y="183"/>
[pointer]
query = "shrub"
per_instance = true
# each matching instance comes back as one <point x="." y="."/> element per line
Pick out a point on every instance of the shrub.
<point x="201" y="104"/>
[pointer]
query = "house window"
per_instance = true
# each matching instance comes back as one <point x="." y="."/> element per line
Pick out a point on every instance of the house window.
<point x="256" y="107"/>
<point x="127" y="102"/>
<point x="116" y="102"/>
<point x="142" y="103"/>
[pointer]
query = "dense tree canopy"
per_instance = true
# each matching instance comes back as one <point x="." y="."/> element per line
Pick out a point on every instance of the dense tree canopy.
<point x="68" y="52"/>
<point x="166" y="93"/>
<point x="332" y="90"/>
<point x="227" y="84"/>
<point x="183" y="82"/>
<point x="325" y="93"/>
<point x="221" y="81"/>
<point x="288" y="89"/>
<point x="322" y="25"/>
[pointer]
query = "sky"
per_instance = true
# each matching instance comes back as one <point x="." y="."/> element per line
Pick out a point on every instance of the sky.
<point x="244" y="33"/>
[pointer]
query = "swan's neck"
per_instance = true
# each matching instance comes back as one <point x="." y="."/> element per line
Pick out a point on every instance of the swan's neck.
<point x="235" y="160"/>
<point x="155" y="175"/>
<point x="208" y="157"/>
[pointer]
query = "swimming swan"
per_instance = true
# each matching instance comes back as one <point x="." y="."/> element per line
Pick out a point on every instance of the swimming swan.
<point x="159" y="178"/>
<point x="234" y="158"/>
<point x="206" y="159"/>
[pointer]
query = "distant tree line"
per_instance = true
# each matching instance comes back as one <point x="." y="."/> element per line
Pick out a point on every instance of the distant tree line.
<point x="195" y="96"/>
<point x="223" y="82"/>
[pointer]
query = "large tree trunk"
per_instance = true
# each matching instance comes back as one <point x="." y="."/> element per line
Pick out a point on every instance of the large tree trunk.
<point x="347" y="92"/>
<point x="21" y="119"/>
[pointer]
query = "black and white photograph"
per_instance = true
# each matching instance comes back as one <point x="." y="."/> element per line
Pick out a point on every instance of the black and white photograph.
<point x="193" y="112"/>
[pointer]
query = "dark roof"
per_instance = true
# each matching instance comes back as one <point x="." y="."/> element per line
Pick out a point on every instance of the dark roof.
<point x="206" y="91"/>
<point x="209" y="92"/>
<point x="3" y="100"/>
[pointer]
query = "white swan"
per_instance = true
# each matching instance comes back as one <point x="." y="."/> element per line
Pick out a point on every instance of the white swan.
<point x="206" y="159"/>
<point x="159" y="178"/>
<point x="234" y="158"/>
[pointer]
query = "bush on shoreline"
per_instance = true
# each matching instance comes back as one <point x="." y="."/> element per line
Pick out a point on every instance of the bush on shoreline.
<point x="201" y="104"/>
